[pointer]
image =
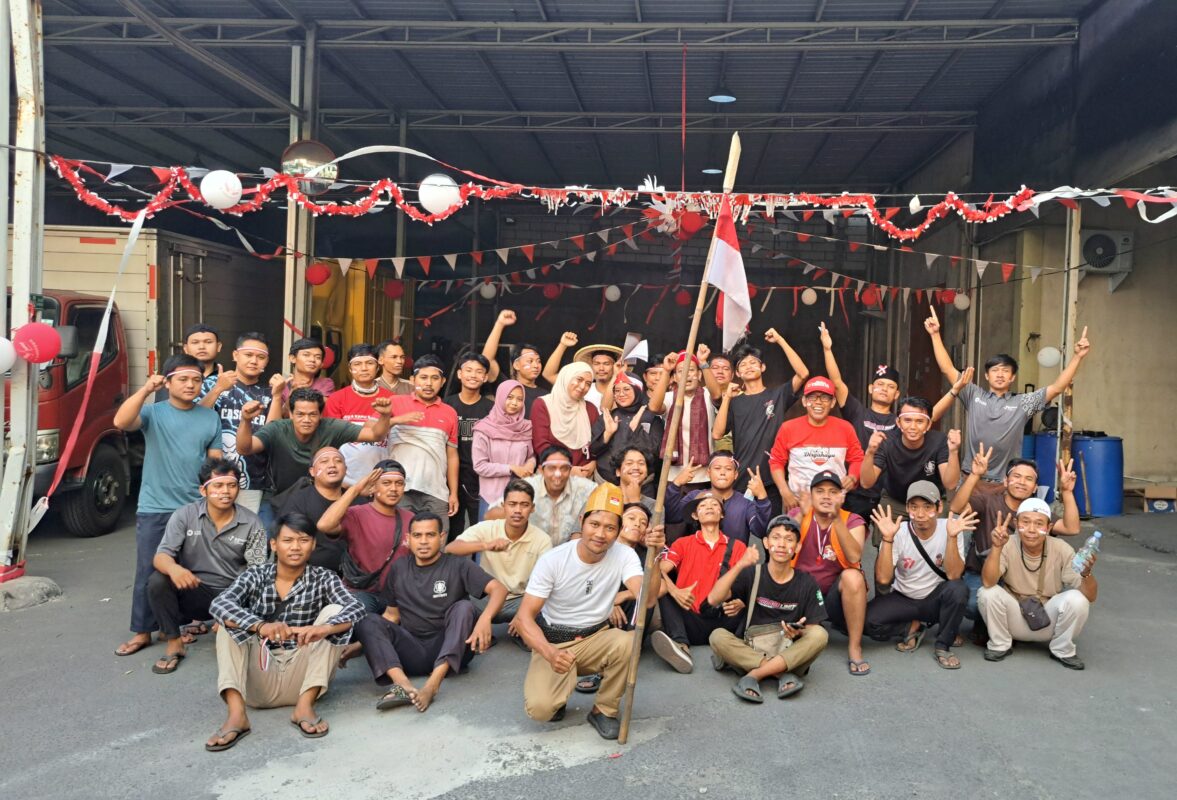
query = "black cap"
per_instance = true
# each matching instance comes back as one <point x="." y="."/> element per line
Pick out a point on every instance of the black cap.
<point x="826" y="476"/>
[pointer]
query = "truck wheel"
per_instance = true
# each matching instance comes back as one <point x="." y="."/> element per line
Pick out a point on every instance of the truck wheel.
<point x="95" y="507"/>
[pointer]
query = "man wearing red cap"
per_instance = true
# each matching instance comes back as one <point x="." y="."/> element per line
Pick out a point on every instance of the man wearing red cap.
<point x="814" y="443"/>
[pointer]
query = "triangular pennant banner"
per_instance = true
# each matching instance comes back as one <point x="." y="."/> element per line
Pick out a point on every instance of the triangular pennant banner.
<point x="807" y="215"/>
<point x="604" y="234"/>
<point x="504" y="253"/>
<point x="531" y="274"/>
<point x="981" y="265"/>
<point x="803" y="237"/>
<point x="452" y="260"/>
<point x="854" y="246"/>
<point x="756" y="248"/>
<point x="890" y="212"/>
<point x="930" y="259"/>
<point x="424" y="261"/>
<point x="1007" y="271"/>
<point x="626" y="229"/>
<point x="630" y="243"/>
<point x="829" y="215"/>
<point x="578" y="241"/>
<point x="791" y="215"/>
<point x="1034" y="273"/>
<point x="591" y="255"/>
<point x="370" y="267"/>
<point x="477" y="256"/>
<point x="894" y="293"/>
<point x="529" y="252"/>
<point x="919" y="295"/>
<point x="612" y="250"/>
<point x="344" y="265"/>
<point x="119" y="169"/>
<point x="399" y="265"/>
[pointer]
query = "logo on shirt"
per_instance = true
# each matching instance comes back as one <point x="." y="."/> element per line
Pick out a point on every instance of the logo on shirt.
<point x="191" y="532"/>
<point x="588" y="586"/>
<point x="439" y="589"/>
<point x="769" y="407"/>
<point x="828" y="553"/>
<point x="930" y="467"/>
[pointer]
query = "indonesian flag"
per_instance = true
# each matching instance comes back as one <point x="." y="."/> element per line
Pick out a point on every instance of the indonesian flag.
<point x="727" y="274"/>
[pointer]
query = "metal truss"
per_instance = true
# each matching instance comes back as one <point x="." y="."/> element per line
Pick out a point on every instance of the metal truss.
<point x="64" y="117"/>
<point x="211" y="33"/>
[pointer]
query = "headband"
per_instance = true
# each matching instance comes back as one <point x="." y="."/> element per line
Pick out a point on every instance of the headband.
<point x="682" y="357"/>
<point x="323" y="452"/>
<point x="261" y="350"/>
<point x="552" y="463"/>
<point x="180" y="370"/>
<point x="918" y="414"/>
<point x="218" y="477"/>
<point x="392" y="471"/>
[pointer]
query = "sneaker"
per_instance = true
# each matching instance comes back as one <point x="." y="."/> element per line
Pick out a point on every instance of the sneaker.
<point x="608" y="727"/>
<point x="995" y="655"/>
<point x="559" y="715"/>
<point x="1070" y="662"/>
<point x="676" y="655"/>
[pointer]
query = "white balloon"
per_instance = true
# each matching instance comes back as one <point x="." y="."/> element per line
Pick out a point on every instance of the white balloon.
<point x="488" y="291"/>
<point x="7" y="355"/>
<point x="809" y="297"/>
<point x="612" y="293"/>
<point x="221" y="189"/>
<point x="438" y="192"/>
<point x="962" y="301"/>
<point x="1049" y="357"/>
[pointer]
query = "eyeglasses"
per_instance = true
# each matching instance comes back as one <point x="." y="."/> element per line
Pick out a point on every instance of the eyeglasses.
<point x="820" y="398"/>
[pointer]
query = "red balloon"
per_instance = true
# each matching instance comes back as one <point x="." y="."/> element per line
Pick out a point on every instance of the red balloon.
<point x="690" y="223"/>
<point x="947" y="295"/>
<point x="682" y="297"/>
<point x="318" y="274"/>
<point x="870" y="296"/>
<point x="553" y="290"/>
<point x="752" y="291"/>
<point x="36" y="342"/>
<point x="394" y="290"/>
<point x="328" y="358"/>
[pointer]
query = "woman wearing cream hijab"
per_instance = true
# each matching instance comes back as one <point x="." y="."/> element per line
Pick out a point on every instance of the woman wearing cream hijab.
<point x="564" y="418"/>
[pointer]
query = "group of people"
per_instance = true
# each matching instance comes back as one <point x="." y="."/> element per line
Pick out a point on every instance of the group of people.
<point x="310" y="524"/>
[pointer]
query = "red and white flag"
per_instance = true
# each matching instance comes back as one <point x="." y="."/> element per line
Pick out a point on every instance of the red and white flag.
<point x="734" y="311"/>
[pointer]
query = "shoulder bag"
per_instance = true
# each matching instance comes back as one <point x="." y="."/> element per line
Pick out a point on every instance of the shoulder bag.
<point x="355" y="577"/>
<point x="768" y="638"/>
<point x="1032" y="609"/>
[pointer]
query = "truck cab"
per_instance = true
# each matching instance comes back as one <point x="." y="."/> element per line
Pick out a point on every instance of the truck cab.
<point x="97" y="480"/>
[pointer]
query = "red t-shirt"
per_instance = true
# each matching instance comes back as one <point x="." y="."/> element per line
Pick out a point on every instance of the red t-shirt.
<point x="817" y="556"/>
<point x="350" y="406"/>
<point x="369" y="536"/>
<point x="698" y="562"/>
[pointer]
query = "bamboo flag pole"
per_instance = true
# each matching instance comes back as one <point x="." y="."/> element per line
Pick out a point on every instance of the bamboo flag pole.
<point x="729" y="181"/>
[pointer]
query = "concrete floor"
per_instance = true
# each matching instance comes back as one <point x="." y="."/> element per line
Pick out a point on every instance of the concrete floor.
<point x="81" y="723"/>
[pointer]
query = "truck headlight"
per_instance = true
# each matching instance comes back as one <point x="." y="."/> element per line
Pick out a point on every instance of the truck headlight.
<point x="48" y="446"/>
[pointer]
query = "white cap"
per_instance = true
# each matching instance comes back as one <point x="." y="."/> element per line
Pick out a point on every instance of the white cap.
<point x="1035" y="505"/>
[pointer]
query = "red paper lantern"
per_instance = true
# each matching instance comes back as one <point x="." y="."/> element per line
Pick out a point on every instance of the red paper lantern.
<point x="553" y="291"/>
<point x="947" y="295"/>
<point x="682" y="297"/>
<point x="690" y="223"/>
<point x="752" y="292"/>
<point x="318" y="274"/>
<point x="870" y="296"/>
<point x="36" y="342"/>
<point x="394" y="290"/>
<point x="328" y="358"/>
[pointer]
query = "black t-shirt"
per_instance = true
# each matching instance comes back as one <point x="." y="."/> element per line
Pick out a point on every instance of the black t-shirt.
<point x="753" y="421"/>
<point x="467" y="416"/>
<point x="781" y="602"/>
<point x="424" y="594"/>
<point x="307" y="501"/>
<point x="903" y="466"/>
<point x="530" y="395"/>
<point x="866" y="421"/>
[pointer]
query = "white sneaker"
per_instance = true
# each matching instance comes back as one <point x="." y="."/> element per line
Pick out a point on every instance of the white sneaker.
<point x="670" y="651"/>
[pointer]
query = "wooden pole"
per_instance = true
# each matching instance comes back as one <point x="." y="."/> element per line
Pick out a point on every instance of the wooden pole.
<point x="729" y="180"/>
<point x="1069" y="327"/>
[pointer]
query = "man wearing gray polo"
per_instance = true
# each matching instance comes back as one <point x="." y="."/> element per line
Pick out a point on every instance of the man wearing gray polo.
<point x="206" y="545"/>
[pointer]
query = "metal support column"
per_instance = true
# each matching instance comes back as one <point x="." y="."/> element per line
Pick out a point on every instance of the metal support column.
<point x="27" y="243"/>
<point x="306" y="225"/>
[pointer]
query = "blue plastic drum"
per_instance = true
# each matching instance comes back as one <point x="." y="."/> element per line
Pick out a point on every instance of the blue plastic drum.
<point x="1103" y="457"/>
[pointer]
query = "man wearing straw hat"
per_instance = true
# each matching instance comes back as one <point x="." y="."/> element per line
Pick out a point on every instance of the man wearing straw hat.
<point x="564" y="617"/>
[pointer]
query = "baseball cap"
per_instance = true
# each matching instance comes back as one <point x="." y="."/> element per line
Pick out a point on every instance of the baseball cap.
<point x="887" y="373"/>
<point x="693" y="503"/>
<point x="606" y="497"/>
<point x="819" y="385"/>
<point x="924" y="490"/>
<point x="826" y="476"/>
<point x="1033" y="504"/>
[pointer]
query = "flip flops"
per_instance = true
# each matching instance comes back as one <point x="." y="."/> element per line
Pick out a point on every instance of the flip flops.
<point x="942" y="657"/>
<point x="783" y="689"/>
<point x="298" y="723"/>
<point x="915" y="638"/>
<point x="588" y="684"/>
<point x="239" y="734"/>
<point x="168" y="664"/>
<point x="748" y="688"/>
<point x="856" y="667"/>
<point x="394" y="697"/>
<point x="129" y="648"/>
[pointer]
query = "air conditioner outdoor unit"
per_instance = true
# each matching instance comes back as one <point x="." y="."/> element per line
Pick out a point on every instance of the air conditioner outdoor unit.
<point x="1106" y="253"/>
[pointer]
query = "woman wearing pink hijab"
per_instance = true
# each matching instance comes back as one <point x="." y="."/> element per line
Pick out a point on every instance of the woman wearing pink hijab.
<point x="502" y="445"/>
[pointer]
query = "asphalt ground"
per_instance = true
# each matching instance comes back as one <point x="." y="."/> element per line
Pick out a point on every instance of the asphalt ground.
<point x="79" y="722"/>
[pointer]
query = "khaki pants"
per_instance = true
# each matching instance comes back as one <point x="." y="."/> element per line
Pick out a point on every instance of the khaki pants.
<point x="1003" y="617"/>
<point x="606" y="652"/>
<point x="804" y="650"/>
<point x="291" y="672"/>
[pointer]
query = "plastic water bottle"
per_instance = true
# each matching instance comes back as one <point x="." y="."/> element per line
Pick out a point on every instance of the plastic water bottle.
<point x="1086" y="552"/>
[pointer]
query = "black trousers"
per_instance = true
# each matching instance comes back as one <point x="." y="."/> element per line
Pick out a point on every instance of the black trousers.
<point x="888" y="615"/>
<point x="467" y="515"/>
<point x="388" y="645"/>
<point x="174" y="607"/>
<point x="688" y="627"/>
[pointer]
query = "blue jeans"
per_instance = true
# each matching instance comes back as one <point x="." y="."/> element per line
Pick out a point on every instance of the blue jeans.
<point x="149" y="530"/>
<point x="483" y="507"/>
<point x="267" y="515"/>
<point x="973" y="581"/>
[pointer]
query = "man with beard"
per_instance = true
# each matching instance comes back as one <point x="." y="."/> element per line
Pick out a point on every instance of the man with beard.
<point x="742" y="518"/>
<point x="564" y="617"/>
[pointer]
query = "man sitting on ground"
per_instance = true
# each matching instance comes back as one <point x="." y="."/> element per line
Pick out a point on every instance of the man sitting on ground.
<point x="1034" y="565"/>
<point x="697" y="561"/>
<point x="206" y="545"/>
<point x="428" y="626"/>
<point x="782" y="633"/>
<point x="917" y="574"/>
<point x="742" y="518"/>
<point x="830" y="550"/>
<point x="510" y="547"/>
<point x="573" y="587"/>
<point x="283" y="625"/>
<point x="375" y="533"/>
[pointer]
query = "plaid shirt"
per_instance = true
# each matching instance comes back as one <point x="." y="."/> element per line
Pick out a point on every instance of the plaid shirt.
<point x="252" y="600"/>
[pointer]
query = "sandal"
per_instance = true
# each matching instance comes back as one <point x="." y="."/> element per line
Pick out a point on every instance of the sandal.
<point x="130" y="648"/>
<point x="588" y="683"/>
<point x="912" y="640"/>
<point x="298" y="723"/>
<point x="783" y="689"/>
<point x="238" y="735"/>
<point x="857" y="667"/>
<point x="748" y="688"/>
<point x="946" y="659"/>
<point x="394" y="697"/>
<point x="194" y="628"/>
<point x="166" y="665"/>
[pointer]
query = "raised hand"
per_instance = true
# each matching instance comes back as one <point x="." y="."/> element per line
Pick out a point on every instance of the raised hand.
<point x="1082" y="347"/>
<point x="568" y="339"/>
<point x="637" y="418"/>
<point x="876" y="441"/>
<point x="827" y="341"/>
<point x="932" y="323"/>
<point x="226" y="380"/>
<point x="772" y="337"/>
<point x="703" y="352"/>
<point x="251" y="410"/>
<point x="1000" y="533"/>
<point x="953" y="440"/>
<point x="750" y="558"/>
<point x="805" y="501"/>
<point x="506" y="318"/>
<point x="686" y="474"/>
<point x="669" y="362"/>
<point x="277" y="384"/>
<point x="734" y="390"/>
<point x="383" y="406"/>
<point x="1066" y="476"/>
<point x="368" y="483"/>
<point x="958" y="523"/>
<point x="154" y="383"/>
<point x="964" y="379"/>
<point x="981" y="459"/>
<point x="887" y="527"/>
<point x="756" y="485"/>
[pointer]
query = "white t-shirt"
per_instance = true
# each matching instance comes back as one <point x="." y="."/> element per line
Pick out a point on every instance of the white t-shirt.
<point x="578" y="594"/>
<point x="701" y="477"/>
<point x="913" y="577"/>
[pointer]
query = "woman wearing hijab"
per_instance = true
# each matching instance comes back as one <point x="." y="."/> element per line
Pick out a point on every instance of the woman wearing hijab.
<point x="563" y="417"/>
<point x="632" y="425"/>
<point x="501" y="447"/>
